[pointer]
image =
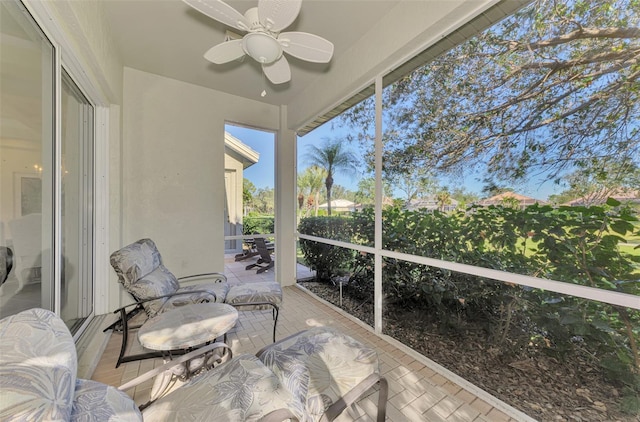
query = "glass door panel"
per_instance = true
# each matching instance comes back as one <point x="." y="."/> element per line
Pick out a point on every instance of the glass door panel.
<point x="26" y="157"/>
<point x="76" y="175"/>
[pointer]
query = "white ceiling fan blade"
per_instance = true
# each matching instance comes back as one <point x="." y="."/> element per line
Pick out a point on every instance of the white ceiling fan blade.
<point x="275" y="15"/>
<point x="278" y="72"/>
<point x="220" y="11"/>
<point x="305" y="46"/>
<point x="225" y="52"/>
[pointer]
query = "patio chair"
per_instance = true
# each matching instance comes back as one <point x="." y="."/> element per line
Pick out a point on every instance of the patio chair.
<point x="250" y="251"/>
<point x="265" y="262"/>
<point x="327" y="371"/>
<point x="155" y="290"/>
<point x="38" y="365"/>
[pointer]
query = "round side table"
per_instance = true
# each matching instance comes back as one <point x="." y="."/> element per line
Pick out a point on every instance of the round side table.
<point x="185" y="327"/>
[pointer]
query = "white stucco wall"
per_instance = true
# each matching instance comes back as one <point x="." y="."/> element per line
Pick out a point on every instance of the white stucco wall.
<point x="173" y="166"/>
<point x="87" y="45"/>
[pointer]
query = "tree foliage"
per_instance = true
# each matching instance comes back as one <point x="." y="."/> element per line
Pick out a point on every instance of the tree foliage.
<point x="578" y="245"/>
<point x="334" y="158"/>
<point x="309" y="187"/>
<point x="550" y="89"/>
<point x="262" y="201"/>
<point x="248" y="190"/>
<point x="593" y="187"/>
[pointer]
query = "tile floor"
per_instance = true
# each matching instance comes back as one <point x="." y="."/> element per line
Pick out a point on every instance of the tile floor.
<point x="418" y="390"/>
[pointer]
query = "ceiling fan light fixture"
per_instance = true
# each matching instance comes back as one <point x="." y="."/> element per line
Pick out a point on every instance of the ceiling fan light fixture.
<point x="264" y="42"/>
<point x="262" y="47"/>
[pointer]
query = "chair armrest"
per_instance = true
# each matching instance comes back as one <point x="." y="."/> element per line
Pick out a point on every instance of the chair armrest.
<point x="175" y="362"/>
<point x="124" y="315"/>
<point x="216" y="277"/>
<point x="139" y="302"/>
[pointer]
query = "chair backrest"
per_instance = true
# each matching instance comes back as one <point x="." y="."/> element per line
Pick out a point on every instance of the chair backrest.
<point x="141" y="272"/>
<point x="261" y="246"/>
<point x="39" y="353"/>
<point x="6" y="263"/>
<point x="38" y="379"/>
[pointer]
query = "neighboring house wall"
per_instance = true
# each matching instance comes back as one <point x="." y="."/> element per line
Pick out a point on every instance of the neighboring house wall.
<point x="237" y="157"/>
<point x="431" y="204"/>
<point x="173" y="166"/>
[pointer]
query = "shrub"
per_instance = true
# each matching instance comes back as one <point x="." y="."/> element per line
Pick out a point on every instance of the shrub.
<point x="327" y="260"/>
<point x="258" y="224"/>
<point x="572" y="244"/>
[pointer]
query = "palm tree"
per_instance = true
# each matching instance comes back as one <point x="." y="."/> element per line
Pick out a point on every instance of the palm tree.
<point x="333" y="157"/>
<point x="310" y="183"/>
<point x="443" y="198"/>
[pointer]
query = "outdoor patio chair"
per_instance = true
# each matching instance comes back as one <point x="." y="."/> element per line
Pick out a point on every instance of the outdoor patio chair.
<point x="38" y="365"/>
<point x="250" y="251"/>
<point x="155" y="290"/>
<point x="327" y="371"/>
<point x="265" y="262"/>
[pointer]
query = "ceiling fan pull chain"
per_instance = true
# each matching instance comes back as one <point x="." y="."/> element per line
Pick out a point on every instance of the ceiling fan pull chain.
<point x="264" y="84"/>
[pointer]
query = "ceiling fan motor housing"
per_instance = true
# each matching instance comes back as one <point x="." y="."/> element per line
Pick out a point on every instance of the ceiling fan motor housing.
<point x="262" y="47"/>
<point x="260" y="44"/>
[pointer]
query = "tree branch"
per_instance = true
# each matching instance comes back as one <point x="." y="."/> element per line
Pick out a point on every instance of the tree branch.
<point x="578" y="34"/>
<point x="630" y="56"/>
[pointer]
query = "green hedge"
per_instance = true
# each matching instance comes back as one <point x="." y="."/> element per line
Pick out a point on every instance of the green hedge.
<point x="261" y="224"/>
<point x="573" y="244"/>
<point x="327" y="260"/>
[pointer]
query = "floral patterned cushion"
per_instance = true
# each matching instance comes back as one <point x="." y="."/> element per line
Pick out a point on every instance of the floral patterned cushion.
<point x="97" y="402"/>
<point x="319" y="366"/>
<point x="267" y="291"/>
<point x="135" y="261"/>
<point x="38" y="364"/>
<point x="218" y="289"/>
<point x="242" y="389"/>
<point x="159" y="282"/>
<point x="141" y="272"/>
<point x="37" y="367"/>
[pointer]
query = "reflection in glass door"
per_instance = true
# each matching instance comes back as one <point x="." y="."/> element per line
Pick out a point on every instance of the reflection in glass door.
<point x="26" y="169"/>
<point x="76" y="175"/>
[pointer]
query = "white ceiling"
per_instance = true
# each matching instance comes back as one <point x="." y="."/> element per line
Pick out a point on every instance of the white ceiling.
<point x="169" y="38"/>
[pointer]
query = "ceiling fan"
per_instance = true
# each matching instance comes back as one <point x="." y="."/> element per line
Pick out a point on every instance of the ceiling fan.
<point x="264" y="42"/>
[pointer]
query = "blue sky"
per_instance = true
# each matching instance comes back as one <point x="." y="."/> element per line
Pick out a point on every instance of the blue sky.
<point x="262" y="173"/>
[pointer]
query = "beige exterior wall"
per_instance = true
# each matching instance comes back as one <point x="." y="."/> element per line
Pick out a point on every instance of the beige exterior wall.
<point x="233" y="181"/>
<point x="173" y="166"/>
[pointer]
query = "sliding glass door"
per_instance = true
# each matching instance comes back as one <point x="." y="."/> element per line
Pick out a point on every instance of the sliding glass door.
<point x="46" y="176"/>
<point x="27" y="74"/>
<point x="76" y="176"/>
